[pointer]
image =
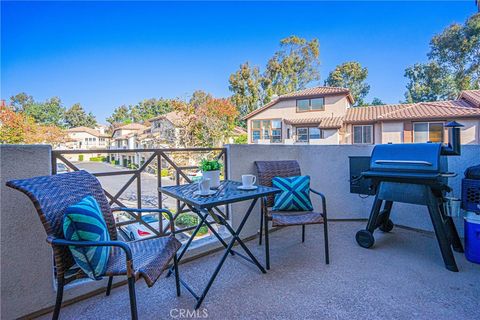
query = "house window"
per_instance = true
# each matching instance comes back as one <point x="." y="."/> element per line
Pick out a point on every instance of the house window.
<point x="308" y="133"/>
<point x="363" y="134"/>
<point x="316" y="104"/>
<point x="267" y="130"/>
<point x="427" y="131"/>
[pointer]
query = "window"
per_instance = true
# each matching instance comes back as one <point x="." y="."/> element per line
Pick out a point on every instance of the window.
<point x="267" y="130"/>
<point x="316" y="104"/>
<point x="308" y="133"/>
<point x="428" y="131"/>
<point x="363" y="134"/>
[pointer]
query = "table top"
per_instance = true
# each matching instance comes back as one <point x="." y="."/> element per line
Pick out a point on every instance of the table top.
<point x="227" y="193"/>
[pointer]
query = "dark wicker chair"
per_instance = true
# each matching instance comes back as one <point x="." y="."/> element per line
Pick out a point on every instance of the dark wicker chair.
<point x="51" y="196"/>
<point x="266" y="171"/>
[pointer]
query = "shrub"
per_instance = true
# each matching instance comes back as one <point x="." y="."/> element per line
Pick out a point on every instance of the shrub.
<point x="241" y="139"/>
<point x="80" y="157"/>
<point x="164" y="173"/>
<point x="97" y="159"/>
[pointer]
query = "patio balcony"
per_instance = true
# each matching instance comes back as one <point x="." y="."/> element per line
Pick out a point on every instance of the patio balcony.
<point x="401" y="277"/>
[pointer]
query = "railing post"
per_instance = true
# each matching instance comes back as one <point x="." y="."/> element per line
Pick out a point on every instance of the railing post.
<point x="139" y="189"/>
<point x="54" y="162"/>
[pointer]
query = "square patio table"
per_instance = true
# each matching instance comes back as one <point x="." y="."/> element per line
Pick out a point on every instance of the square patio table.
<point x="205" y="206"/>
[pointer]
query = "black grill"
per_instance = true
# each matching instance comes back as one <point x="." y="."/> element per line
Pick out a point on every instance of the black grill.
<point x="417" y="174"/>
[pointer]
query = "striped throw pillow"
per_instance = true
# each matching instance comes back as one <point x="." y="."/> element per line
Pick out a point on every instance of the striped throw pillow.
<point x="295" y="195"/>
<point x="84" y="221"/>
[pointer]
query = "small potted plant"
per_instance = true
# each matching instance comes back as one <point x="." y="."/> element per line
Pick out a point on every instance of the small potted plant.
<point x="211" y="170"/>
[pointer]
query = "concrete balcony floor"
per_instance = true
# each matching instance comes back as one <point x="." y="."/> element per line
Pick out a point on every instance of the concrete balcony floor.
<point x="402" y="277"/>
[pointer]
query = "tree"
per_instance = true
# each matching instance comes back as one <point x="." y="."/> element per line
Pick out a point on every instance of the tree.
<point x="51" y="112"/>
<point x="215" y="122"/>
<point x="429" y="82"/>
<point x="377" y="102"/>
<point x="149" y="108"/>
<point x="246" y="85"/>
<point x="120" y="115"/>
<point x="350" y="75"/>
<point x="21" y="101"/>
<point x="453" y="66"/>
<point x="17" y="127"/>
<point x="291" y="68"/>
<point x="77" y="117"/>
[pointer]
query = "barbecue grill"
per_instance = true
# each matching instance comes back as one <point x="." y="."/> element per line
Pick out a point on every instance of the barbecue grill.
<point x="416" y="174"/>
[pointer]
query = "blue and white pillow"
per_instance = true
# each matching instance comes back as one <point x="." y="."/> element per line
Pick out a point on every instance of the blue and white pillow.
<point x="84" y="221"/>
<point x="295" y="195"/>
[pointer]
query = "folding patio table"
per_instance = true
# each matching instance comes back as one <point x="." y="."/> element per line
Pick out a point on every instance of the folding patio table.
<point x="205" y="206"/>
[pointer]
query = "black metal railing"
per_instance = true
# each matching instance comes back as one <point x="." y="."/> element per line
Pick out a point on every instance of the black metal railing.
<point x="157" y="158"/>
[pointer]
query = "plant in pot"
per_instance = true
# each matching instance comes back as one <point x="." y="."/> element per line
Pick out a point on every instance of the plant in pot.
<point x="211" y="170"/>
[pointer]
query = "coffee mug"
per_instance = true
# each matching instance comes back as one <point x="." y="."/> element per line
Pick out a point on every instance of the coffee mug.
<point x="204" y="186"/>
<point x="248" y="180"/>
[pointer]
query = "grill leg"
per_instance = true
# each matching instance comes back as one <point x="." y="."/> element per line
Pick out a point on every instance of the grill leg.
<point x="451" y="231"/>
<point x="58" y="302"/>
<point x="365" y="238"/>
<point x="438" y="226"/>
<point x="372" y="220"/>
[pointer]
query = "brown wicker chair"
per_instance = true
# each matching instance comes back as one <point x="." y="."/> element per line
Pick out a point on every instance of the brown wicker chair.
<point x="52" y="195"/>
<point x="266" y="171"/>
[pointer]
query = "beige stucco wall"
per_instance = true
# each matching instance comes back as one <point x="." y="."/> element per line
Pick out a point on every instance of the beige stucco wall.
<point x="470" y="133"/>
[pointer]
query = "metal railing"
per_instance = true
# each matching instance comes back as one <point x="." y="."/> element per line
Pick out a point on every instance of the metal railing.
<point x="155" y="159"/>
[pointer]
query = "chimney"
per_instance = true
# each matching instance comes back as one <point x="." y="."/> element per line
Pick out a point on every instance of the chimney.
<point x="454" y="143"/>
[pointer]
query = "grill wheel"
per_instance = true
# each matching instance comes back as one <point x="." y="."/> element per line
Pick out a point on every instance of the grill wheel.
<point x="365" y="238"/>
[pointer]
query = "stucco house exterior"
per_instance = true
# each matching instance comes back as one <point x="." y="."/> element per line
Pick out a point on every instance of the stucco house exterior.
<point x="324" y="115"/>
<point x="87" y="138"/>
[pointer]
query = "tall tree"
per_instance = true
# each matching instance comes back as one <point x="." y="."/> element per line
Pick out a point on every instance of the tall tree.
<point x="246" y="85"/>
<point x="294" y="66"/>
<point x="428" y="82"/>
<point x="291" y="68"/>
<point x="377" y="102"/>
<point x="350" y="75"/>
<point x="149" y="108"/>
<point x="21" y="101"/>
<point x="120" y="115"/>
<point x="454" y="64"/>
<point x="76" y="116"/>
<point x="51" y="112"/>
<point x="199" y="98"/>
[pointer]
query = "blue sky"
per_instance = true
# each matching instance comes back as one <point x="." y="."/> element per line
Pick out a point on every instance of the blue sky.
<point x="104" y="54"/>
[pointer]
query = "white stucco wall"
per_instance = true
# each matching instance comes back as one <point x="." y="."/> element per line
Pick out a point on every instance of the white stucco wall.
<point x="470" y="133"/>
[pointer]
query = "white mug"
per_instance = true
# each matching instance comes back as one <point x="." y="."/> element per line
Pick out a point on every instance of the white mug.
<point x="204" y="186"/>
<point x="248" y="180"/>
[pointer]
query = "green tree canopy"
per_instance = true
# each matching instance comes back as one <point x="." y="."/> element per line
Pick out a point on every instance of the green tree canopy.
<point x="291" y="68"/>
<point x="76" y="116"/>
<point x="453" y="66"/>
<point x="50" y="112"/>
<point x="377" y="102"/>
<point x="350" y="75"/>
<point x="120" y="115"/>
<point x="21" y="101"/>
<point x="149" y="108"/>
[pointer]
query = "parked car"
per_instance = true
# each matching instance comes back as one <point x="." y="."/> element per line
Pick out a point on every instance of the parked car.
<point x="136" y="231"/>
<point x="62" y="168"/>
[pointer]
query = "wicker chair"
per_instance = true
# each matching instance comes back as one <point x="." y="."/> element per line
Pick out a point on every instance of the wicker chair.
<point x="266" y="171"/>
<point x="52" y="195"/>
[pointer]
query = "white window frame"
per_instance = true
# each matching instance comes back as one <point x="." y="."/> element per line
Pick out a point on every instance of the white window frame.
<point x="428" y="123"/>
<point x="362" y="133"/>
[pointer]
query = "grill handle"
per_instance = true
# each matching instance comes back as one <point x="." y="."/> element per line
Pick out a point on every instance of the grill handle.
<point x="418" y="162"/>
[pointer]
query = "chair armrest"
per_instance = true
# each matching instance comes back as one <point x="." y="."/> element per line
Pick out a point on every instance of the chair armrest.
<point x="159" y="211"/>
<point x="324" y="201"/>
<point x="63" y="242"/>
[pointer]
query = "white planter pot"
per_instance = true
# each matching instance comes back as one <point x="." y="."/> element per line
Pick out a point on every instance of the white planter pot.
<point x="214" y="177"/>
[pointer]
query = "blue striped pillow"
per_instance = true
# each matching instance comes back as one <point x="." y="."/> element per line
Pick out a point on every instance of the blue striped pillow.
<point x="84" y="221"/>
<point x="295" y="195"/>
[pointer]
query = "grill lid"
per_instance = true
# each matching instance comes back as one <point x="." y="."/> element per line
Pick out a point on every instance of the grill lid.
<point x="412" y="157"/>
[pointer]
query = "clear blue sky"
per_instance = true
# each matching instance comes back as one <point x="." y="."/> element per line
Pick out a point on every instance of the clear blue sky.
<point x="104" y="54"/>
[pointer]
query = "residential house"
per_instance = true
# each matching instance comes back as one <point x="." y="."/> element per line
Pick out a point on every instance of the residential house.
<point x="324" y="115"/>
<point x="126" y="137"/>
<point x="87" y="138"/>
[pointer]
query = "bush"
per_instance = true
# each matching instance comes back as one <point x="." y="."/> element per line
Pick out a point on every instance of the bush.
<point x="241" y="139"/>
<point x="187" y="220"/>
<point x="80" y="157"/>
<point x="164" y="173"/>
<point x="98" y="159"/>
<point x="132" y="166"/>
<point x="113" y="162"/>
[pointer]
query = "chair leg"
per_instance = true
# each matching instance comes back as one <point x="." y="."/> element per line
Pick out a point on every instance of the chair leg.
<point x="133" y="298"/>
<point x="177" y="276"/>
<point x="58" y="302"/>
<point x="109" y="286"/>
<point x="325" y="234"/>
<point x="261" y="228"/>
<point x="267" y="245"/>
<point x="303" y="233"/>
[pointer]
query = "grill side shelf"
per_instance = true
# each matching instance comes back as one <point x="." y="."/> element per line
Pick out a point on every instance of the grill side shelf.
<point x="414" y="162"/>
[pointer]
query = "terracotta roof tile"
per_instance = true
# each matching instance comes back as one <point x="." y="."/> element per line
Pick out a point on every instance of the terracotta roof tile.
<point x="472" y="97"/>
<point x="331" y="123"/>
<point x="88" y="130"/>
<point x="371" y="113"/>
<point x="303" y="121"/>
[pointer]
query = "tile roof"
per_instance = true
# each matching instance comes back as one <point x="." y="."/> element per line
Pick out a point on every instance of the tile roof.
<point x="131" y="126"/>
<point x="471" y="96"/>
<point x="370" y="113"/>
<point x="303" y="121"/>
<point x="88" y="130"/>
<point x="172" y="116"/>
<point x="310" y="92"/>
<point x="331" y="123"/>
